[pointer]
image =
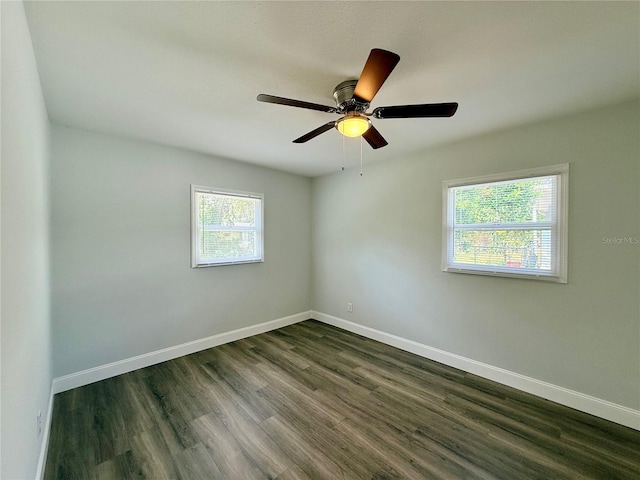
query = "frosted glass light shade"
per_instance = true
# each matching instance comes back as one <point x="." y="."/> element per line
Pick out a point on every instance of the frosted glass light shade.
<point x="353" y="125"/>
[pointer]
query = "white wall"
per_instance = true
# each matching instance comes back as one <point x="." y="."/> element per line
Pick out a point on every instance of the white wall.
<point x="26" y="332"/>
<point x="377" y="243"/>
<point x="122" y="282"/>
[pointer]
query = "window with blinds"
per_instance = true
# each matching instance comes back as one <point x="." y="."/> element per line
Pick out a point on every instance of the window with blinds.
<point x="508" y="225"/>
<point x="226" y="227"/>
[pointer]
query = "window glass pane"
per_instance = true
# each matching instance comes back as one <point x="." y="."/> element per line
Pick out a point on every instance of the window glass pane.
<point x="530" y="249"/>
<point x="226" y="227"/>
<point x="226" y="210"/>
<point x="529" y="200"/>
<point x="227" y="244"/>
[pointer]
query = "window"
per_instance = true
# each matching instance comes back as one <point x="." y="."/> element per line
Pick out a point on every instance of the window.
<point x="226" y="227"/>
<point x="512" y="224"/>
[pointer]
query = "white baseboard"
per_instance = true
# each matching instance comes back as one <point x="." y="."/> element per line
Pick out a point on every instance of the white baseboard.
<point x="570" y="398"/>
<point x="109" y="370"/>
<point x="44" y="446"/>
<point x="564" y="396"/>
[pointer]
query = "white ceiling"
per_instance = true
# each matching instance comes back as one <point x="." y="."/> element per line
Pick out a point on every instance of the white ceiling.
<point x="187" y="74"/>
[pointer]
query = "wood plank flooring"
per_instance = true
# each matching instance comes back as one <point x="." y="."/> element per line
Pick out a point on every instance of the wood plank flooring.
<point x="311" y="401"/>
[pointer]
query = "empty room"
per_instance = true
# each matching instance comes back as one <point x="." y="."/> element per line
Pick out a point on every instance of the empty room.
<point x="320" y="240"/>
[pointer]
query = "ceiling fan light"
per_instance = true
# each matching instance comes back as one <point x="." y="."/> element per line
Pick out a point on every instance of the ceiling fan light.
<point x="353" y="125"/>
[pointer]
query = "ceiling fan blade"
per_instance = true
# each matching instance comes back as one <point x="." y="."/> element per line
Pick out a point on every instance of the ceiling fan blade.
<point x="295" y="103"/>
<point x="314" y="133"/>
<point x="373" y="138"/>
<point x="378" y="67"/>
<point x="416" y="111"/>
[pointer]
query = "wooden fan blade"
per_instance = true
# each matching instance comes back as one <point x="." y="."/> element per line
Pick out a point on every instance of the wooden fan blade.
<point x="376" y="70"/>
<point x="295" y="103"/>
<point x="373" y="138"/>
<point x="416" y="111"/>
<point x="315" y="133"/>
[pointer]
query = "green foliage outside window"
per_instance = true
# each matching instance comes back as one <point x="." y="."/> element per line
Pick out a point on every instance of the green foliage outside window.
<point x="216" y="211"/>
<point x="488" y="205"/>
<point x="224" y="210"/>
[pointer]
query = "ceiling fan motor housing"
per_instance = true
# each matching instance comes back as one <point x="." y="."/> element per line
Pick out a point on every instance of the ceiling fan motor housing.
<point x="345" y="101"/>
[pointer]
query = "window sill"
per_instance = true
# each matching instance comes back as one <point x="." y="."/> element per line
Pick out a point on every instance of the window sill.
<point x="231" y="262"/>
<point x="499" y="272"/>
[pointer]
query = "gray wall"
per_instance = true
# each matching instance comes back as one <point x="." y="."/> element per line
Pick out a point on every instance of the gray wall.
<point x="122" y="282"/>
<point x="26" y="330"/>
<point x="377" y="243"/>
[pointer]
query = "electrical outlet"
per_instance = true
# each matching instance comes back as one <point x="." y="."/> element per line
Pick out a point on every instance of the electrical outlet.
<point x="39" y="423"/>
<point x="350" y="307"/>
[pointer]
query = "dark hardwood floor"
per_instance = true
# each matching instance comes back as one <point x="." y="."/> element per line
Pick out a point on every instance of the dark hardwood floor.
<point x="311" y="401"/>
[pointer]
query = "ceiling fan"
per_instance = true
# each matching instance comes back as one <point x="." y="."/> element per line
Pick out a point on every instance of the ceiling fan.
<point x="353" y="98"/>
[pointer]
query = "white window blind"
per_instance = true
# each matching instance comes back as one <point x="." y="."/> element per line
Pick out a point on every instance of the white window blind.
<point x="226" y="227"/>
<point x="510" y="225"/>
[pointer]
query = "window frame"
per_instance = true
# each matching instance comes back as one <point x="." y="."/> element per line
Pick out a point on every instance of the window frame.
<point x="259" y="227"/>
<point x="559" y="229"/>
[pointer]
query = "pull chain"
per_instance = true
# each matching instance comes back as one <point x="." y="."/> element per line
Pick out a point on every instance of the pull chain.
<point x="342" y="152"/>
<point x="360" y="155"/>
